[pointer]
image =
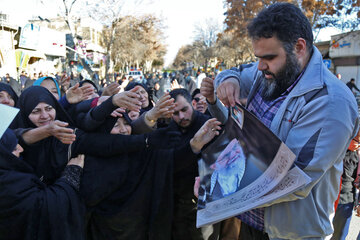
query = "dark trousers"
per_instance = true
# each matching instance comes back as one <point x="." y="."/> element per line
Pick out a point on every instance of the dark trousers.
<point x="184" y="221"/>
<point x="342" y="220"/>
<point x="249" y="233"/>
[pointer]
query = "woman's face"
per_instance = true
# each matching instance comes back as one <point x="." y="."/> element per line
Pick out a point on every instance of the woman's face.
<point x="144" y="97"/>
<point x="121" y="127"/>
<point x="42" y="114"/>
<point x="6" y="99"/>
<point x="50" y="85"/>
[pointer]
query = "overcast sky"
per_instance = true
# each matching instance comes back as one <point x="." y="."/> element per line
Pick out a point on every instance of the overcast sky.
<point x="180" y="16"/>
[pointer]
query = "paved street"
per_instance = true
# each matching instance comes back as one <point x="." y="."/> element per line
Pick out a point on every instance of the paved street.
<point x="354" y="228"/>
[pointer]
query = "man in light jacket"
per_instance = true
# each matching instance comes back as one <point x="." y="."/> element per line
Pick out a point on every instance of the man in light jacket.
<point x="292" y="92"/>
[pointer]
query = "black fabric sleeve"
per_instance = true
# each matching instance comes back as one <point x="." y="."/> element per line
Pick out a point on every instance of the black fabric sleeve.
<point x="94" y="117"/>
<point x="102" y="111"/>
<point x="184" y="157"/>
<point x="31" y="210"/>
<point x="105" y="144"/>
<point x="72" y="174"/>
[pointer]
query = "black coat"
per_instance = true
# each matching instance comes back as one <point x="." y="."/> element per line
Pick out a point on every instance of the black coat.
<point x="186" y="167"/>
<point x="30" y="209"/>
<point x="129" y="196"/>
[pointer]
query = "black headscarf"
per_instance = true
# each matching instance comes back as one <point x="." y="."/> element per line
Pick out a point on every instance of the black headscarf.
<point x="48" y="157"/>
<point x="34" y="95"/>
<point x="131" y="85"/>
<point x="9" y="140"/>
<point x="31" y="210"/>
<point x="89" y="81"/>
<point x="7" y="88"/>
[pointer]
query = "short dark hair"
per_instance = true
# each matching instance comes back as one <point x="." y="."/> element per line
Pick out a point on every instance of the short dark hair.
<point x="196" y="91"/>
<point x="284" y="21"/>
<point x="352" y="79"/>
<point x="182" y="92"/>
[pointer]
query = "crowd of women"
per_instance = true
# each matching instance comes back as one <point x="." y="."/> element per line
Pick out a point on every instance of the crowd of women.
<point x="75" y="165"/>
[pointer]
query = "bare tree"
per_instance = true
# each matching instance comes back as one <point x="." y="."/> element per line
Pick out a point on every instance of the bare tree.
<point x="205" y="37"/>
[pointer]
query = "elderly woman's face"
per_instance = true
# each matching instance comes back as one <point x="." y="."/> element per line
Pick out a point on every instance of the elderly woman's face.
<point x="121" y="127"/>
<point x="144" y="97"/>
<point x="43" y="114"/>
<point x="6" y="99"/>
<point x="50" y="85"/>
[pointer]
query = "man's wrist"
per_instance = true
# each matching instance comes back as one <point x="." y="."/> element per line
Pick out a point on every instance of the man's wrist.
<point x="210" y="101"/>
<point x="195" y="146"/>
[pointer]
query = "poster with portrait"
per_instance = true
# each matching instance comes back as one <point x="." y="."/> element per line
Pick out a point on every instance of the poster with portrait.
<point x="245" y="167"/>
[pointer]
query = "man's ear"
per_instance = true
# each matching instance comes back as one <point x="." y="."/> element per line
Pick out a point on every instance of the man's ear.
<point x="300" y="47"/>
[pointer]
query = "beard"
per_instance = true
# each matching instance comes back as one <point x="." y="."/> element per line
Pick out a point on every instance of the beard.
<point x="274" y="87"/>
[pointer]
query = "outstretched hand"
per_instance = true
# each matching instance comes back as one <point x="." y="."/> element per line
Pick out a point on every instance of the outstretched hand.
<point x="128" y="99"/>
<point x="112" y="89"/>
<point x="207" y="89"/>
<point x="205" y="134"/>
<point x="164" y="108"/>
<point x="228" y="92"/>
<point x="60" y="130"/>
<point x="196" y="186"/>
<point x="76" y="94"/>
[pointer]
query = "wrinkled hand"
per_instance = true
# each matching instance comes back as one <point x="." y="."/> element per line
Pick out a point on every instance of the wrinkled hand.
<point x="128" y="99"/>
<point x="59" y="130"/>
<point x="196" y="186"/>
<point x="79" y="161"/>
<point x="175" y="85"/>
<point x="205" y="134"/>
<point x="112" y="89"/>
<point x="164" y="108"/>
<point x="228" y="92"/>
<point x="207" y="90"/>
<point x="76" y="94"/>
<point x="118" y="112"/>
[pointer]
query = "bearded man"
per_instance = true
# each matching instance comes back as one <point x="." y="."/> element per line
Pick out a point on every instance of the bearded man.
<point x="293" y="93"/>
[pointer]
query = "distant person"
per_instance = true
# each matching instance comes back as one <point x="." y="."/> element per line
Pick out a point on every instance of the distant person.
<point x="13" y="83"/>
<point x="347" y="198"/>
<point x="351" y="84"/>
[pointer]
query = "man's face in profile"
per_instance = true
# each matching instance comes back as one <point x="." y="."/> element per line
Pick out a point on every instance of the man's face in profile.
<point x="279" y="68"/>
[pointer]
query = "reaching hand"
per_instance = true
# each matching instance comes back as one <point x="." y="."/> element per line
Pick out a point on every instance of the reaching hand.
<point x="205" y="134"/>
<point x="175" y="85"/>
<point x="79" y="161"/>
<point x="112" y="89"/>
<point x="228" y="92"/>
<point x="128" y="99"/>
<point x="196" y="186"/>
<point x="59" y="130"/>
<point x="207" y="90"/>
<point x="118" y="112"/>
<point x="77" y="94"/>
<point x="164" y="108"/>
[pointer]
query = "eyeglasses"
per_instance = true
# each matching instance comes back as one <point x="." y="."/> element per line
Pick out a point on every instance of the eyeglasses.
<point x="196" y="99"/>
